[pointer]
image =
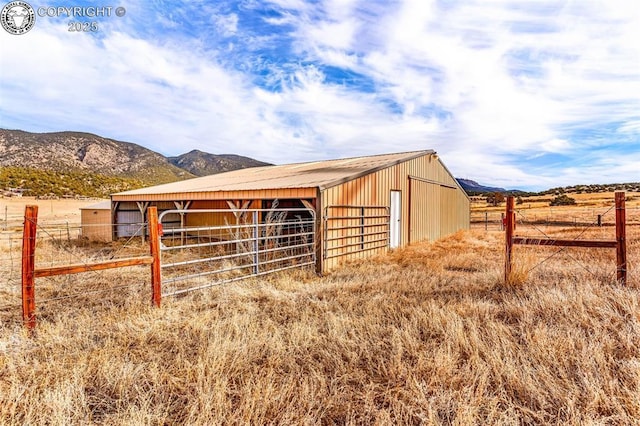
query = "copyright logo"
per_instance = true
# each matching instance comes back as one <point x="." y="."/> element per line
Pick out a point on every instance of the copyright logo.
<point x="17" y="17"/>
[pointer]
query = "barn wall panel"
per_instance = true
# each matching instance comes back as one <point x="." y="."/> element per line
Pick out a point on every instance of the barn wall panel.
<point x="435" y="206"/>
<point x="96" y="224"/>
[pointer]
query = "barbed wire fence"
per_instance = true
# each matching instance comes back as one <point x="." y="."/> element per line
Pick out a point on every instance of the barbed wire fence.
<point x="64" y="243"/>
<point x="10" y="267"/>
<point x="551" y="218"/>
<point x="573" y="225"/>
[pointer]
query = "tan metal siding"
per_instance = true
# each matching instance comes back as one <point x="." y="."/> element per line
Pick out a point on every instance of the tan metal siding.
<point x="436" y="206"/>
<point x="209" y="219"/>
<point x="96" y="224"/>
<point x="426" y="211"/>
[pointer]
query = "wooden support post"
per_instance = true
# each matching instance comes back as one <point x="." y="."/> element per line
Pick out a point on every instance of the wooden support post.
<point x="28" y="266"/>
<point x="154" y="245"/>
<point x="621" y="247"/>
<point x="142" y="207"/>
<point x="114" y="220"/>
<point x="509" y="227"/>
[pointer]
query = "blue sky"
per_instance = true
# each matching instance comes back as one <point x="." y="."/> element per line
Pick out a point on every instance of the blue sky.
<point x="519" y="94"/>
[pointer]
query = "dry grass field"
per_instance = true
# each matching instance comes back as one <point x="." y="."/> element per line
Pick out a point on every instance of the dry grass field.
<point x="428" y="334"/>
<point x="48" y="210"/>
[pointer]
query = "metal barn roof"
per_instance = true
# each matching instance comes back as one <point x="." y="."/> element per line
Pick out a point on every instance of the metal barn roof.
<point x="318" y="174"/>
<point x="102" y="205"/>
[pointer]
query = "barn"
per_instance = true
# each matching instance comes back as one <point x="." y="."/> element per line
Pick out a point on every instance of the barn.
<point x="360" y="206"/>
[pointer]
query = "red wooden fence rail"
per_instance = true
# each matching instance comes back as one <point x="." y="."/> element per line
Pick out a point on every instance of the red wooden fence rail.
<point x="619" y="243"/>
<point x="30" y="273"/>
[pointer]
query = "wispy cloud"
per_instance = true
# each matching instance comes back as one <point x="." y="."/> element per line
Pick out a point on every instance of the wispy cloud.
<point x="515" y="94"/>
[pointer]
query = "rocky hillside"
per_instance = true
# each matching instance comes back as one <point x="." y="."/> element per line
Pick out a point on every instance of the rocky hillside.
<point x="74" y="163"/>
<point x="84" y="152"/>
<point x="202" y="163"/>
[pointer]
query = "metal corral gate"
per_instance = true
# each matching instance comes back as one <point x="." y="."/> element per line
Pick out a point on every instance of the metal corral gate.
<point x="208" y="247"/>
<point x="355" y="229"/>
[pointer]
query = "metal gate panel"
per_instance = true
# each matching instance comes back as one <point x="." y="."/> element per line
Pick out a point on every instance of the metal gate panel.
<point x="240" y="243"/>
<point x="355" y="229"/>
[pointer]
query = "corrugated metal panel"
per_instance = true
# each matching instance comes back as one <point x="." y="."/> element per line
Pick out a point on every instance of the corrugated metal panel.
<point x="102" y="205"/>
<point x="96" y="224"/>
<point x="426" y="210"/>
<point x="129" y="223"/>
<point x="433" y="204"/>
<point x="320" y="174"/>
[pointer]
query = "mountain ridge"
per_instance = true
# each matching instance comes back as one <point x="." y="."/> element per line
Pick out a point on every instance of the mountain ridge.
<point x="87" y="164"/>
<point x="85" y="152"/>
<point x="77" y="160"/>
<point x="202" y="163"/>
<point x="471" y="186"/>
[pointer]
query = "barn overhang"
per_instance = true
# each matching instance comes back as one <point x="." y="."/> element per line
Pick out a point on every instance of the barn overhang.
<point x="262" y="194"/>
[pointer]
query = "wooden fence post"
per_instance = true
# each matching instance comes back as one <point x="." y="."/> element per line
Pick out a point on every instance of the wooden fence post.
<point x="621" y="244"/>
<point x="509" y="227"/>
<point x="28" y="266"/>
<point x="154" y="245"/>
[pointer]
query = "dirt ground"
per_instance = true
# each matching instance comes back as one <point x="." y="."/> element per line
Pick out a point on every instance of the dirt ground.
<point x="12" y="209"/>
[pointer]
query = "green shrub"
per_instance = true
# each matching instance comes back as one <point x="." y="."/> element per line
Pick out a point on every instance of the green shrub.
<point x="563" y="200"/>
<point x="46" y="182"/>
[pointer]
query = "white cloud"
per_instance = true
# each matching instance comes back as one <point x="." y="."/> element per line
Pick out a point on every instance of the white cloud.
<point x="227" y="24"/>
<point x="482" y="82"/>
<point x="583" y="69"/>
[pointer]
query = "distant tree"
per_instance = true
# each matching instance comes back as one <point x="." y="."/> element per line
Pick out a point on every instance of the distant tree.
<point x="495" y="199"/>
<point x="519" y="201"/>
<point x="562" y="200"/>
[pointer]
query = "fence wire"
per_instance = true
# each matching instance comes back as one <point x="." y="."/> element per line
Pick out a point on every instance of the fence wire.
<point x="551" y="217"/>
<point x="571" y="224"/>
<point x="64" y="243"/>
<point x="10" y="268"/>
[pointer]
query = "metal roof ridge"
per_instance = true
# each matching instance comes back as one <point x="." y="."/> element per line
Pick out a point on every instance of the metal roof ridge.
<point x="250" y="176"/>
<point x="415" y="154"/>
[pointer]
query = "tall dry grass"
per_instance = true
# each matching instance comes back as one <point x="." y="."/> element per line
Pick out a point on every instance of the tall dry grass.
<point x="426" y="335"/>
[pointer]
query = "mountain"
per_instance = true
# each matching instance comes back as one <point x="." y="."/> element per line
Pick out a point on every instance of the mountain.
<point x="202" y="163"/>
<point x="75" y="163"/>
<point x="85" y="152"/>
<point x="471" y="186"/>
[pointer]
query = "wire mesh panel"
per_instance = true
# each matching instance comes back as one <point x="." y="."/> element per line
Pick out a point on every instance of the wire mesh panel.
<point x="62" y="244"/>
<point x="571" y="241"/>
<point x="215" y="246"/>
<point x="355" y="229"/>
<point x="10" y="266"/>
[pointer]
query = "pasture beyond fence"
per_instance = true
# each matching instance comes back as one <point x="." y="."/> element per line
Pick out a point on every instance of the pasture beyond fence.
<point x="184" y="251"/>
<point x="619" y="243"/>
<point x="181" y="258"/>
